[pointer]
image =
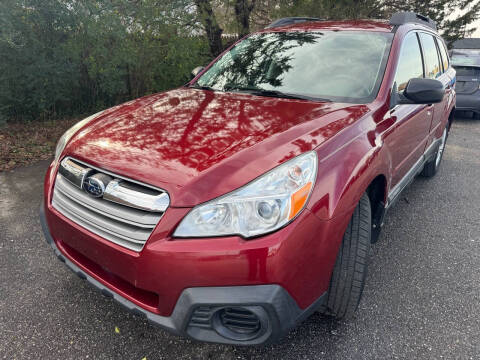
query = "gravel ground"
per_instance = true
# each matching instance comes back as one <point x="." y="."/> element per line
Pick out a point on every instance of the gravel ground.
<point x="422" y="298"/>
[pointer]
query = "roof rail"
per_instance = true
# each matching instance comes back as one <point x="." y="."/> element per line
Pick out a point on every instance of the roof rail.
<point x="405" y="17"/>
<point x="290" y="20"/>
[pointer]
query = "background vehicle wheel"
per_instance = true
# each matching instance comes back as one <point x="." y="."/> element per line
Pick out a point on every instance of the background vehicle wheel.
<point x="349" y="273"/>
<point x="431" y="167"/>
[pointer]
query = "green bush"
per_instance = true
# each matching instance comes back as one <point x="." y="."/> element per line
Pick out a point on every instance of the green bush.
<point x="62" y="58"/>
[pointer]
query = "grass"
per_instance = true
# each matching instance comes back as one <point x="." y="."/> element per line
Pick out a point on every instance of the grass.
<point x="25" y="143"/>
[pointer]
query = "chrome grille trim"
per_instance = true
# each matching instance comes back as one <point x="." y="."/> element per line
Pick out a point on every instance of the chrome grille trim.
<point x="120" y="224"/>
<point x="116" y="175"/>
<point x="112" y="210"/>
<point x="115" y="188"/>
<point x="105" y="224"/>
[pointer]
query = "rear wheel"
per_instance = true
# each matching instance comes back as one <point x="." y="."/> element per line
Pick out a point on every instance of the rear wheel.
<point x="432" y="166"/>
<point x="349" y="273"/>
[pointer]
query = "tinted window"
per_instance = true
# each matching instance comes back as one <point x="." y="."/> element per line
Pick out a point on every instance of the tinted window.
<point x="465" y="58"/>
<point x="433" y="67"/>
<point x="467" y="71"/>
<point x="409" y="63"/>
<point x="340" y="66"/>
<point x="467" y="51"/>
<point x="443" y="51"/>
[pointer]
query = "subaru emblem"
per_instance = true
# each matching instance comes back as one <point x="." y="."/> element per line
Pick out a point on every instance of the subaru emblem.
<point x="95" y="185"/>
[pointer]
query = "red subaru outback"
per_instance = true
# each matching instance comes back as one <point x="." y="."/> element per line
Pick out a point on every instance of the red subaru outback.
<point x="230" y="209"/>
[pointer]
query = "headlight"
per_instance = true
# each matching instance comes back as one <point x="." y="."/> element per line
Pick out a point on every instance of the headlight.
<point x="264" y="205"/>
<point x="62" y="142"/>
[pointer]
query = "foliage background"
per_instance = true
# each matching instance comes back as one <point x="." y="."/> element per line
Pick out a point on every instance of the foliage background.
<point x="62" y="58"/>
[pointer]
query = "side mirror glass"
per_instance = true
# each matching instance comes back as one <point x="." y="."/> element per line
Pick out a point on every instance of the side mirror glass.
<point x="197" y="71"/>
<point x="422" y="91"/>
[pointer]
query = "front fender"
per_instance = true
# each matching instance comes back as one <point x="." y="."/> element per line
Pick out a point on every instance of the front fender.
<point x="345" y="173"/>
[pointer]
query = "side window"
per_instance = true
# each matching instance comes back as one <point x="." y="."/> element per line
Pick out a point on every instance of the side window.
<point x="409" y="62"/>
<point x="433" y="68"/>
<point x="443" y="51"/>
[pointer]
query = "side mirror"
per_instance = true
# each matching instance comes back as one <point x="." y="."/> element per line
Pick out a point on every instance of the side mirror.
<point x="197" y="71"/>
<point x="422" y="91"/>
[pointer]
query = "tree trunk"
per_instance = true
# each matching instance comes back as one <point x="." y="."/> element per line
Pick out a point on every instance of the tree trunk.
<point x="242" y="14"/>
<point x="209" y="22"/>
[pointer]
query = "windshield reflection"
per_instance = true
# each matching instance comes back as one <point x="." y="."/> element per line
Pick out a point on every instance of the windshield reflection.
<point x="341" y="66"/>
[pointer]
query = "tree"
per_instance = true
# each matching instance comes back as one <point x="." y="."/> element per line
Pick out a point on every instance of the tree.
<point x="440" y="11"/>
<point x="210" y="24"/>
<point x="35" y="73"/>
<point x="68" y="57"/>
<point x="243" y="9"/>
<point x="327" y="9"/>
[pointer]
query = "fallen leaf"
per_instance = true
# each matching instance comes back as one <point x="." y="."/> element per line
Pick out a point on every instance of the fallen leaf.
<point x="117" y="330"/>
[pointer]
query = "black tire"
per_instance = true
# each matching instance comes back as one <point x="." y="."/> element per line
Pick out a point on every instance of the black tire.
<point x="431" y="167"/>
<point x="350" y="271"/>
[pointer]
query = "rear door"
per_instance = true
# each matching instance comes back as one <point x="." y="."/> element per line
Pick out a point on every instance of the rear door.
<point x="434" y="70"/>
<point x="411" y="122"/>
<point x="449" y="73"/>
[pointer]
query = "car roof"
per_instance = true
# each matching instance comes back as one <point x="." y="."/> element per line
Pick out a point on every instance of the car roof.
<point x="352" y="25"/>
<point x="347" y="25"/>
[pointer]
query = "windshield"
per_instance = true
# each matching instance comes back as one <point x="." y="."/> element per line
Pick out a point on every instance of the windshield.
<point x="344" y="66"/>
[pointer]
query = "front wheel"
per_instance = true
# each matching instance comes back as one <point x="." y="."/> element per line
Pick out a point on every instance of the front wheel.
<point x="349" y="273"/>
<point x="431" y="167"/>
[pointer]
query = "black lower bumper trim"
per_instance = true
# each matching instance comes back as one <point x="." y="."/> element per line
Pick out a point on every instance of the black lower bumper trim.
<point x="282" y="312"/>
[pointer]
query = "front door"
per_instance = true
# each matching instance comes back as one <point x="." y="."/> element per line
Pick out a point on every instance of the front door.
<point x="411" y="123"/>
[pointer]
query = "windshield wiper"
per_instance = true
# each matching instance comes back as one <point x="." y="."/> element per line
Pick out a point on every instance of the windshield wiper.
<point x="273" y="93"/>
<point x="195" y="86"/>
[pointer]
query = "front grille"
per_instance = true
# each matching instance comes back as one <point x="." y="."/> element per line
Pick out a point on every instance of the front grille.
<point x="123" y="225"/>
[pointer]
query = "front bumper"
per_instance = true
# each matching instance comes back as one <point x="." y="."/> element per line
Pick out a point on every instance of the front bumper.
<point x="276" y="310"/>
<point x="468" y="102"/>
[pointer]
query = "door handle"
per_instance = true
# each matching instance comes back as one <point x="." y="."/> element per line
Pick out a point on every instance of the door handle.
<point x="429" y="109"/>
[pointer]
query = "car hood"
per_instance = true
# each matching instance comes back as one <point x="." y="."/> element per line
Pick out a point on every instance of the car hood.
<point x="199" y="144"/>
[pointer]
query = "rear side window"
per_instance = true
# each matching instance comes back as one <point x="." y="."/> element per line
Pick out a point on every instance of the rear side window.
<point x="443" y="51"/>
<point x="409" y="63"/>
<point x="433" y="68"/>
